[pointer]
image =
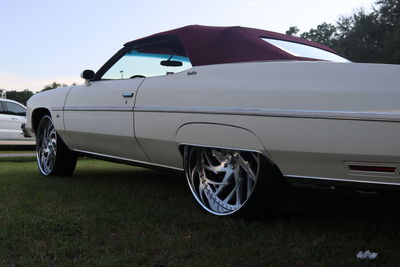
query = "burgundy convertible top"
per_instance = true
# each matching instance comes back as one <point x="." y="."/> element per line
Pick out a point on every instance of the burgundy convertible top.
<point x="205" y="45"/>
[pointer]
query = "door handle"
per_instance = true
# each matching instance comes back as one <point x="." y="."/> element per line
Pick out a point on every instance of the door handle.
<point x="127" y="94"/>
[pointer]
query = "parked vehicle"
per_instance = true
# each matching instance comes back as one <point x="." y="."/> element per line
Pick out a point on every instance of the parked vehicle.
<point x="239" y="110"/>
<point x="12" y="116"/>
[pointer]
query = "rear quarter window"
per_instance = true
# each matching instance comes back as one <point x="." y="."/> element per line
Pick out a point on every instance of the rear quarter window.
<point x="302" y="50"/>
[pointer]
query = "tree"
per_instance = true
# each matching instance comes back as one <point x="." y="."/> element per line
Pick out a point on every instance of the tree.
<point x="360" y="37"/>
<point x="19" y="96"/>
<point x="323" y="34"/>
<point x="389" y="17"/>
<point x="293" y="30"/>
<point x="372" y="37"/>
<point x="53" y="86"/>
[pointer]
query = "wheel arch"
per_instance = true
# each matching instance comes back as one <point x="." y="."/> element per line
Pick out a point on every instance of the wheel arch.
<point x="220" y="136"/>
<point x="37" y="114"/>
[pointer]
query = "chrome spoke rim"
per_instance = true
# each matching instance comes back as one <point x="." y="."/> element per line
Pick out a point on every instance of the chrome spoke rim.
<point x="47" y="147"/>
<point x="222" y="181"/>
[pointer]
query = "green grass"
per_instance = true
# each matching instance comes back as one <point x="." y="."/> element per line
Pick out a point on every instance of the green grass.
<point x="16" y="151"/>
<point x="115" y="215"/>
<point x="14" y="157"/>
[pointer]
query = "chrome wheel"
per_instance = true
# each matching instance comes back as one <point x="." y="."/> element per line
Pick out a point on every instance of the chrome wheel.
<point x="53" y="156"/>
<point x="46" y="146"/>
<point x="222" y="181"/>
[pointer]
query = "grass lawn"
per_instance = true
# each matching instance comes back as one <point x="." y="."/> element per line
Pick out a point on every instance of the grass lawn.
<point x="115" y="215"/>
<point x="16" y="151"/>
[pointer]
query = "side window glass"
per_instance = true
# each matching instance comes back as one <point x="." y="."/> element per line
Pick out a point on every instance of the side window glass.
<point x="148" y="62"/>
<point x="302" y="50"/>
<point x="1" y="108"/>
<point x="15" y="109"/>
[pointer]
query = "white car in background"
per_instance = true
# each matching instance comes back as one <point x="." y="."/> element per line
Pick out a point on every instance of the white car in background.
<point x="12" y="116"/>
<point x="239" y="110"/>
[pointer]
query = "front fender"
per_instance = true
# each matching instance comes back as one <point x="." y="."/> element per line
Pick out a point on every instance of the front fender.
<point x="50" y="102"/>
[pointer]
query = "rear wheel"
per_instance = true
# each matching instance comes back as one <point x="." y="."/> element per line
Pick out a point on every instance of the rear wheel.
<point x="53" y="156"/>
<point x="227" y="182"/>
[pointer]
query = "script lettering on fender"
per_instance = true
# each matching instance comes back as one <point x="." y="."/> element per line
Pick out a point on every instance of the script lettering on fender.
<point x="191" y="73"/>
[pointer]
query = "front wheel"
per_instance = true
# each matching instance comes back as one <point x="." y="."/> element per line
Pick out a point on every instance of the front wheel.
<point x="53" y="156"/>
<point x="227" y="182"/>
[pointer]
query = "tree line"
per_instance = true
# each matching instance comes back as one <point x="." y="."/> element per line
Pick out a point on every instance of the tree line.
<point x="372" y="37"/>
<point x="23" y="96"/>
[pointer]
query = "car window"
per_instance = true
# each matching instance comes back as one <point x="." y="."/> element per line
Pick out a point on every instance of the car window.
<point x="14" y="109"/>
<point x="1" y="107"/>
<point x="136" y="63"/>
<point x="302" y="50"/>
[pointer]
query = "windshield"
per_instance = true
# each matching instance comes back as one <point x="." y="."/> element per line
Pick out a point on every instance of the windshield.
<point x="302" y="50"/>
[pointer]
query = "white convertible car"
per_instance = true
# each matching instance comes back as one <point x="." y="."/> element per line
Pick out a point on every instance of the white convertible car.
<point x="239" y="110"/>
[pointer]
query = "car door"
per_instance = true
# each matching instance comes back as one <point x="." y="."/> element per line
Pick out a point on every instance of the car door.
<point x="4" y="124"/>
<point x="16" y="115"/>
<point x="99" y="118"/>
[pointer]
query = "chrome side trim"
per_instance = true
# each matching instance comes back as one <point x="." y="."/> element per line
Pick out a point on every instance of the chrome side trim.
<point x="137" y="162"/>
<point x="287" y="113"/>
<point x="57" y="109"/>
<point x="294" y="177"/>
<point x="119" y="109"/>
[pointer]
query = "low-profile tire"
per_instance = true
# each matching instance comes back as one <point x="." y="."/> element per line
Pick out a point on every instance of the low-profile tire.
<point x="232" y="182"/>
<point x="53" y="156"/>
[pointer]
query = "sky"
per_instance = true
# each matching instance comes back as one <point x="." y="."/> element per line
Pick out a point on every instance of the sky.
<point x="55" y="40"/>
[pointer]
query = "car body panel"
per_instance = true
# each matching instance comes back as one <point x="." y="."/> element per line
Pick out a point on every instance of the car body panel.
<point x="15" y="127"/>
<point x="85" y="120"/>
<point x="10" y="124"/>
<point x="4" y="127"/>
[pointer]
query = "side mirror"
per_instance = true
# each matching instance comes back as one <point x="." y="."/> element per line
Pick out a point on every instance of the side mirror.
<point x="171" y="63"/>
<point x="88" y="75"/>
